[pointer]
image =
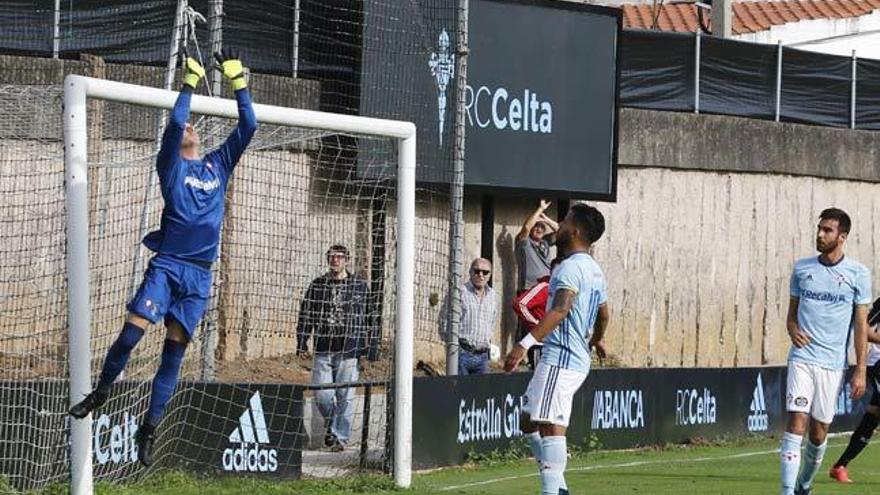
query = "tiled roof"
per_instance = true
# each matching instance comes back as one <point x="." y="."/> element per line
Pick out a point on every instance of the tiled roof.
<point x="748" y="17"/>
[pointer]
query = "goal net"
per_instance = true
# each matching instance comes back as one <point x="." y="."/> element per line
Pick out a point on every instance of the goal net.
<point x="247" y="402"/>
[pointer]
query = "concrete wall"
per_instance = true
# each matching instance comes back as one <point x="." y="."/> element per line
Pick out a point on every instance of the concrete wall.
<point x="711" y="213"/>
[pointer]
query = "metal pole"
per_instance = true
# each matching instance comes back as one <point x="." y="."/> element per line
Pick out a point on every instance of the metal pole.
<point x="403" y="362"/>
<point x="215" y="26"/>
<point x="56" y="30"/>
<point x="170" y="67"/>
<point x="78" y="316"/>
<point x="778" y="79"/>
<point x="296" y="11"/>
<point x="852" y="94"/>
<point x="365" y="428"/>
<point x="456" y="200"/>
<point x="697" y="44"/>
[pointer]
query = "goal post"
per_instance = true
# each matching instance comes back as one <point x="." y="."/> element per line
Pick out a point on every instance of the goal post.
<point x="77" y="90"/>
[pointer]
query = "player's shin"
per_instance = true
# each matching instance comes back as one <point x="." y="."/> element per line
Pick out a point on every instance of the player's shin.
<point x="553" y="465"/>
<point x="859" y="439"/>
<point x="813" y="456"/>
<point x="790" y="457"/>
<point x="118" y="355"/>
<point x="165" y="380"/>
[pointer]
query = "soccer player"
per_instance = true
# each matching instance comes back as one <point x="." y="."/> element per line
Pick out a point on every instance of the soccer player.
<point x="177" y="282"/>
<point x="574" y="323"/>
<point x="863" y="433"/>
<point x="829" y="296"/>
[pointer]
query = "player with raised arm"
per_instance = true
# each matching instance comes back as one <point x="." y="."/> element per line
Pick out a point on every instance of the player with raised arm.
<point x="829" y="297"/>
<point x="177" y="282"/>
<point x="574" y="323"/>
<point x="863" y="433"/>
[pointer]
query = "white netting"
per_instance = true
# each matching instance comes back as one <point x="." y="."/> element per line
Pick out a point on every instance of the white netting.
<point x="294" y="193"/>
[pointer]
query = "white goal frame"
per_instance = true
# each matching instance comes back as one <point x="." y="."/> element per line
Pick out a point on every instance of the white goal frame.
<point x="77" y="89"/>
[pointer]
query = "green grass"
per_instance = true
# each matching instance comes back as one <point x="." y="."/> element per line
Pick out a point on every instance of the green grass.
<point x="739" y="468"/>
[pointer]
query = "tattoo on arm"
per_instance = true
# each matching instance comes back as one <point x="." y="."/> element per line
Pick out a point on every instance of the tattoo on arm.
<point x="563" y="301"/>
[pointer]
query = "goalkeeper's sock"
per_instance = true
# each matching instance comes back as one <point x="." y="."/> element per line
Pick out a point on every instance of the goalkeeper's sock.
<point x="534" y="439"/>
<point x="117" y="356"/>
<point x="553" y="464"/>
<point x="165" y="380"/>
<point x="859" y="439"/>
<point x="790" y="457"/>
<point x="813" y="456"/>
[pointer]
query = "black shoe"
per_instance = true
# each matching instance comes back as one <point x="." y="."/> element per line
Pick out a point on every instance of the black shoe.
<point x="563" y="491"/>
<point x="803" y="491"/>
<point x="330" y="439"/>
<point x="145" y="437"/>
<point x="337" y="446"/>
<point x="92" y="401"/>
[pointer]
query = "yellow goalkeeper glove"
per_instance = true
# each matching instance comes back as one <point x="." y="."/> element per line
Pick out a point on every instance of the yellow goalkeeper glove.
<point x="232" y="68"/>
<point x="194" y="71"/>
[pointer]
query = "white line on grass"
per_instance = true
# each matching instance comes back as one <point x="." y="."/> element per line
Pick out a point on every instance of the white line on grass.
<point x="627" y="464"/>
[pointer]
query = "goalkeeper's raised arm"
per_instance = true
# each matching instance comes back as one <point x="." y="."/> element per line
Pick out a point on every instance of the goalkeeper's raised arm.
<point x="231" y="150"/>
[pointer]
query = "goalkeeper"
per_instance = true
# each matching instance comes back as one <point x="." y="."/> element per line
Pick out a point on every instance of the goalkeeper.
<point x="177" y="282"/>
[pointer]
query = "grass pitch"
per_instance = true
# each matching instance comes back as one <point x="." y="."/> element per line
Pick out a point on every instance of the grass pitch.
<point x="745" y="468"/>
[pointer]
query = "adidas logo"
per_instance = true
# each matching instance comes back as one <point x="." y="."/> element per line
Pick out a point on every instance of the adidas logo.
<point x="758" y="420"/>
<point x="250" y="434"/>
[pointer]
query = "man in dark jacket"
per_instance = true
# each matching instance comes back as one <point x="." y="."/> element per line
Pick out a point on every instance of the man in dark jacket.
<point x="334" y="312"/>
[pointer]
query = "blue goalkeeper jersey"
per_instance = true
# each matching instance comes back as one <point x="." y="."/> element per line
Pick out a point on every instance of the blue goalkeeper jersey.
<point x="827" y="296"/>
<point x="568" y="345"/>
<point x="194" y="190"/>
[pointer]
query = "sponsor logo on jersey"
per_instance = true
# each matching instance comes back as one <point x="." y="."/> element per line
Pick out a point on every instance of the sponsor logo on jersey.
<point x="204" y="185"/>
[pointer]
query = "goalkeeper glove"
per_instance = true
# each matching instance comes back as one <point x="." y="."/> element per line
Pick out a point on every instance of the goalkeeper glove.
<point x="232" y="68"/>
<point x="194" y="71"/>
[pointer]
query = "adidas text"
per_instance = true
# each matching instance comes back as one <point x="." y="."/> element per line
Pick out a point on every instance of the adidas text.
<point x="251" y="435"/>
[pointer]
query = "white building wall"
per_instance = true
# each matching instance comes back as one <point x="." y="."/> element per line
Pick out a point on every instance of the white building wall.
<point x="833" y="36"/>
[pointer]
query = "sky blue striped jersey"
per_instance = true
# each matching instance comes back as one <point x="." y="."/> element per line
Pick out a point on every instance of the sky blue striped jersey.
<point x="827" y="297"/>
<point x="567" y="347"/>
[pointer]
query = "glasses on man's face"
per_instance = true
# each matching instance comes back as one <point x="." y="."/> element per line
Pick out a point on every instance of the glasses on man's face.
<point x="477" y="271"/>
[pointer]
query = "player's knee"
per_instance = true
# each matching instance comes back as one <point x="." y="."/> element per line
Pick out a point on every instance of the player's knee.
<point x="175" y="332"/>
<point x="138" y="321"/>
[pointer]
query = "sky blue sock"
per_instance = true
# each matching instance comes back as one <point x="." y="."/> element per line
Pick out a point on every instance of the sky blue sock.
<point x="790" y="458"/>
<point x="165" y="380"/>
<point x="536" y="446"/>
<point x="117" y="356"/>
<point x="553" y="465"/>
<point x="813" y="456"/>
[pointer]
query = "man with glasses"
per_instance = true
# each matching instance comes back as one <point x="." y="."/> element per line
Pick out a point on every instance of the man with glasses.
<point x="479" y="312"/>
<point x="334" y="314"/>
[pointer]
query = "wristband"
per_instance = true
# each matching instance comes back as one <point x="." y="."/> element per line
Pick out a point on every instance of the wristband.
<point x="528" y="341"/>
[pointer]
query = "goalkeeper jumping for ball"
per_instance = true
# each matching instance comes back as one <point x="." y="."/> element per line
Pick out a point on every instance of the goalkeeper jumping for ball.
<point x="177" y="282"/>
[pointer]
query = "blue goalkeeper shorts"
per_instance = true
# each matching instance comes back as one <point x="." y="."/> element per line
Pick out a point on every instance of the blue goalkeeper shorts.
<point x="173" y="289"/>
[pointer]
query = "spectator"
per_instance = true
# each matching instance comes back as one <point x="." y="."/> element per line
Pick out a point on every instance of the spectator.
<point x="533" y="243"/>
<point x="479" y="312"/>
<point x="530" y="305"/>
<point x="334" y="314"/>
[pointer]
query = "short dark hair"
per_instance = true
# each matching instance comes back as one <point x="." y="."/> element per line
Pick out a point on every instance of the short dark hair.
<point x="338" y="248"/>
<point x="589" y="220"/>
<point x="843" y="221"/>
